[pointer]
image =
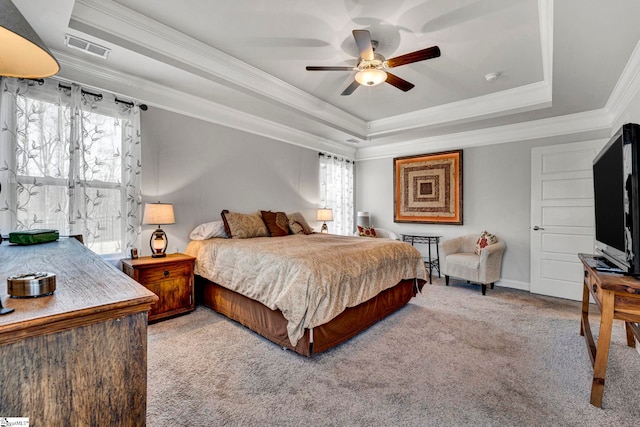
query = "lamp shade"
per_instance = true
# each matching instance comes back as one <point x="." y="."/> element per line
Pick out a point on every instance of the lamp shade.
<point x="324" y="214"/>
<point x="158" y="213"/>
<point x="371" y="77"/>
<point x="363" y="219"/>
<point x="22" y="53"/>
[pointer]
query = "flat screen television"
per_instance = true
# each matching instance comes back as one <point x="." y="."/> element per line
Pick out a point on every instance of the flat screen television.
<point x="616" y="183"/>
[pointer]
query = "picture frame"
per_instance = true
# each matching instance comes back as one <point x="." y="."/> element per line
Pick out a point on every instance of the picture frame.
<point x="428" y="188"/>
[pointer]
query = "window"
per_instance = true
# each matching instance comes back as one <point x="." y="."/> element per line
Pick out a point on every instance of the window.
<point x="71" y="162"/>
<point x="336" y="192"/>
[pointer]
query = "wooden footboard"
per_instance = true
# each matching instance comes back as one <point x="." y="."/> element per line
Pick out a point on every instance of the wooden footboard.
<point x="272" y="325"/>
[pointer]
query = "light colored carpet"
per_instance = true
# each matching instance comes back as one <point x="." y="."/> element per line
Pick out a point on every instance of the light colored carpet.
<point x="450" y="357"/>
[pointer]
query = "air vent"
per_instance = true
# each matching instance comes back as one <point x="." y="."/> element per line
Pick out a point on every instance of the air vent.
<point x="353" y="141"/>
<point x="86" y="46"/>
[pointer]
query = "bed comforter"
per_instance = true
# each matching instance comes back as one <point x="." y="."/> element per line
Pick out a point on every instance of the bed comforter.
<point x="309" y="278"/>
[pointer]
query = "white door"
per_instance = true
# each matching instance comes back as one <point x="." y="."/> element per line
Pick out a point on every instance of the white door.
<point x="562" y="217"/>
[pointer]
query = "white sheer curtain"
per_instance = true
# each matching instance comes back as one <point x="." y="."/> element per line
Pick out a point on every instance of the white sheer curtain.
<point x="70" y="160"/>
<point x="336" y="192"/>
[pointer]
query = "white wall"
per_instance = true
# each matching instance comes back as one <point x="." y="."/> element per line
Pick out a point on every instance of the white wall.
<point x="204" y="168"/>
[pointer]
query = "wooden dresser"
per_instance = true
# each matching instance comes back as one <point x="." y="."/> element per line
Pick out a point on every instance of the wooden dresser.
<point x="79" y="356"/>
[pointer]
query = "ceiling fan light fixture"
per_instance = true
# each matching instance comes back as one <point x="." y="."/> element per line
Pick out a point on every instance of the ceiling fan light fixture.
<point x="371" y="77"/>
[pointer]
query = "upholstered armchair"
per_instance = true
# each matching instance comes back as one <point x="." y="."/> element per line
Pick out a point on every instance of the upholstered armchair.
<point x="459" y="259"/>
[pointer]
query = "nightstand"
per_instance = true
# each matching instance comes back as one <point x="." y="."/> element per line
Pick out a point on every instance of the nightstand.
<point x="170" y="278"/>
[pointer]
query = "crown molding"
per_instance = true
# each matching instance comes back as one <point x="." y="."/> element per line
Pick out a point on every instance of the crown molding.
<point x="543" y="128"/>
<point x="515" y="100"/>
<point x="617" y="110"/>
<point x="157" y="95"/>
<point x="545" y="16"/>
<point x="626" y="88"/>
<point x="120" y="25"/>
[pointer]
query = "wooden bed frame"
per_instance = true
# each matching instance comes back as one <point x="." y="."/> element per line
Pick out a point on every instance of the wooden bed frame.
<point x="272" y="325"/>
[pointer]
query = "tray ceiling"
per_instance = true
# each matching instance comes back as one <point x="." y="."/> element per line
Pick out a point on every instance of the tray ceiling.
<point x="243" y="61"/>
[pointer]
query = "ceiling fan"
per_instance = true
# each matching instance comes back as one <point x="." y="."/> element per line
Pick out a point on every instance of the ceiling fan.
<point x="371" y="68"/>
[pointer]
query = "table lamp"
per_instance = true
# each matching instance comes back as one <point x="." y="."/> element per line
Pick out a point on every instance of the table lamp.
<point x="324" y="215"/>
<point x="22" y="53"/>
<point x="363" y="219"/>
<point x="158" y="214"/>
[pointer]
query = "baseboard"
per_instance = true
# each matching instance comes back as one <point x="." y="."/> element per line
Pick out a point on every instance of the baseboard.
<point x="514" y="284"/>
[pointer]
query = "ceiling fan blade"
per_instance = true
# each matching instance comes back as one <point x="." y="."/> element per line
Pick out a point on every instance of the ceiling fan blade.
<point x="330" y="68"/>
<point x="396" y="81"/>
<point x="363" y="40"/>
<point x="349" y="90"/>
<point x="418" y="55"/>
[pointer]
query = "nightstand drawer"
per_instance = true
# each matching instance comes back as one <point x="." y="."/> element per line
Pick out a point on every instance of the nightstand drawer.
<point x="162" y="272"/>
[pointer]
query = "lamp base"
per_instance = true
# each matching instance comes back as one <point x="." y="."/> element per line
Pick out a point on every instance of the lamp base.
<point x="324" y="228"/>
<point x="158" y="243"/>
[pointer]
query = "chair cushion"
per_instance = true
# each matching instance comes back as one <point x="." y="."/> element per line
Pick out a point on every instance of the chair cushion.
<point x="464" y="260"/>
<point x="465" y="265"/>
<point x="485" y="240"/>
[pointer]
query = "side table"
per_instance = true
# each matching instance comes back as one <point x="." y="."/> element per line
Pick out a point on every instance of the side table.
<point x="428" y="240"/>
<point x="617" y="297"/>
<point x="170" y="278"/>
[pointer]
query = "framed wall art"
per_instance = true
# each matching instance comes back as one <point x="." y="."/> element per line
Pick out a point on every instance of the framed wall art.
<point x="428" y="188"/>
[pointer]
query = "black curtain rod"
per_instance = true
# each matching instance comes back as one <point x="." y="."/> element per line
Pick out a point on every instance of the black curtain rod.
<point x="97" y="96"/>
<point x="336" y="157"/>
<point x="143" y="107"/>
<point x="39" y="81"/>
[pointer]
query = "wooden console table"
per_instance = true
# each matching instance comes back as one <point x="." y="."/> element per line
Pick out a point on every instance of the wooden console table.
<point x="618" y="297"/>
<point x="77" y="357"/>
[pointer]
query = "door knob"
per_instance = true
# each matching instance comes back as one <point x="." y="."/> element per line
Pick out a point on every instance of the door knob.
<point x="536" y="228"/>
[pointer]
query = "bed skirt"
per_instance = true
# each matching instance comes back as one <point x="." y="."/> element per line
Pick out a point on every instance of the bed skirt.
<point x="272" y="325"/>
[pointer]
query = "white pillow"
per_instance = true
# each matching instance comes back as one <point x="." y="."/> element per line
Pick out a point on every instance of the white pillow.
<point x="208" y="230"/>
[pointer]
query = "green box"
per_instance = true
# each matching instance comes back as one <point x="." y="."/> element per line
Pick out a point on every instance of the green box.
<point x="32" y="237"/>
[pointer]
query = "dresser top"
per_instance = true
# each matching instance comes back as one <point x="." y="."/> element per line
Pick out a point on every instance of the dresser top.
<point x="88" y="289"/>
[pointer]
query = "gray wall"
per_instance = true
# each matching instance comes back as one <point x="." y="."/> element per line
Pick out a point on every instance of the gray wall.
<point x="496" y="198"/>
<point x="204" y="168"/>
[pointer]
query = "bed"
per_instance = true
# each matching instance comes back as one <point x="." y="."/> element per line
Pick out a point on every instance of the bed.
<point x="307" y="293"/>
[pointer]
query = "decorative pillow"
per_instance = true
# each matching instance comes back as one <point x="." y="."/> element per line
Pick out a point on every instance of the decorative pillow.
<point x="243" y="226"/>
<point x="366" y="231"/>
<point x="208" y="230"/>
<point x="277" y="223"/>
<point x="485" y="240"/>
<point x="296" y="227"/>
<point x="298" y="224"/>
